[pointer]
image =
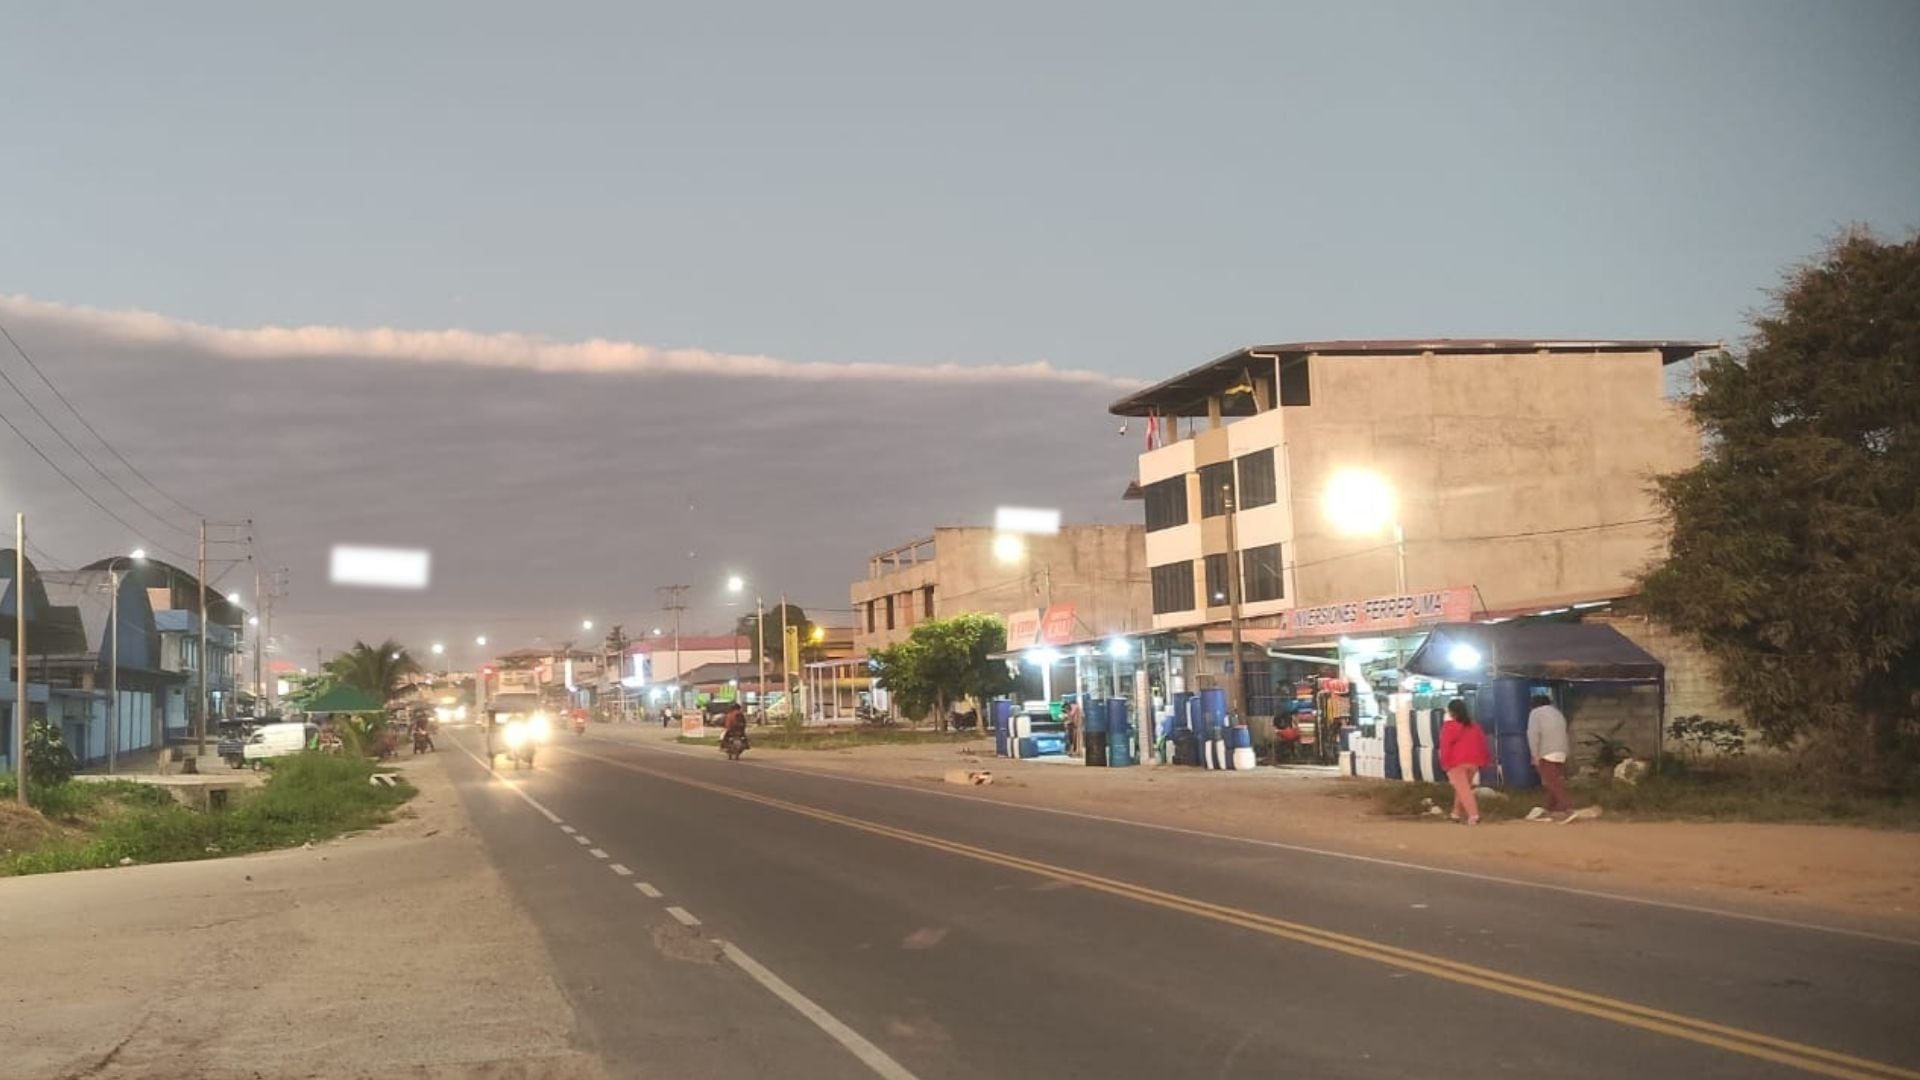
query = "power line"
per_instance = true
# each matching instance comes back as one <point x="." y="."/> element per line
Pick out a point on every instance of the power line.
<point x="118" y="456"/>
<point x="104" y="508"/>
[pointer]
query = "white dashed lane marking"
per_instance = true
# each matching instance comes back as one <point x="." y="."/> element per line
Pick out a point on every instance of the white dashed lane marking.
<point x="684" y="916"/>
<point x="581" y="839"/>
<point x="596" y="853"/>
<point x="567" y="829"/>
<point x="621" y="870"/>
<point x="647" y="890"/>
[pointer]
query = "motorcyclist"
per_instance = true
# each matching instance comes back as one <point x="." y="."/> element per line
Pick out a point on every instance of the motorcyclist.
<point x="736" y="723"/>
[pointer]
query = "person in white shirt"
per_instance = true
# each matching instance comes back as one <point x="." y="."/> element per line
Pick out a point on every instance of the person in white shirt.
<point x="1547" y="741"/>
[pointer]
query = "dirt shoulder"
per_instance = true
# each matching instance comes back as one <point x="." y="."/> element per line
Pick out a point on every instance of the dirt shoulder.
<point x="395" y="953"/>
<point x="1868" y="877"/>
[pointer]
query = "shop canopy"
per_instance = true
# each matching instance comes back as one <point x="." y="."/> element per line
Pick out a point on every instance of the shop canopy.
<point x="346" y="699"/>
<point x="1560" y="652"/>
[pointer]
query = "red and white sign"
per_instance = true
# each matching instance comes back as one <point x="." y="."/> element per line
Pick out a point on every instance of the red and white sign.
<point x="1381" y="613"/>
<point x="1023" y="629"/>
<point x="1056" y="626"/>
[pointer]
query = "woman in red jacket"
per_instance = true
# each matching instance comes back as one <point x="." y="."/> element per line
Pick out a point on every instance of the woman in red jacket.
<point x="1463" y="750"/>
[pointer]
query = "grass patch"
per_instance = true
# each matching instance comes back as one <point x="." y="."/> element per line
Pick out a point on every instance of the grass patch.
<point x="1752" y="789"/>
<point x="781" y="738"/>
<point x="308" y="797"/>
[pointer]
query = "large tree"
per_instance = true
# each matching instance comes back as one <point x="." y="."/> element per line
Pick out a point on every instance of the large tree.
<point x="942" y="661"/>
<point x="766" y="641"/>
<point x="1795" y="553"/>
<point x="380" y="669"/>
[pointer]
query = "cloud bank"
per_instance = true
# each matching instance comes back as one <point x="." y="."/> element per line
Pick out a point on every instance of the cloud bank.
<point x="525" y="352"/>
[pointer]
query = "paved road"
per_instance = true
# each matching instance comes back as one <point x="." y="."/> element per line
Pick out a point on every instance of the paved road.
<point x="810" y="925"/>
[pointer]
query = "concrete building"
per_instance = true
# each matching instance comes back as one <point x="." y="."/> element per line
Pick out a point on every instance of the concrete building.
<point x="1518" y="470"/>
<point x="664" y="663"/>
<point x="1093" y="575"/>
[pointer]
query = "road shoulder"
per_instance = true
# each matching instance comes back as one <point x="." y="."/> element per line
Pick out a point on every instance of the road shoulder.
<point x="398" y="952"/>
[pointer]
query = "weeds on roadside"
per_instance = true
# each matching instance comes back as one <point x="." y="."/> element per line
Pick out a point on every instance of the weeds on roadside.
<point x="309" y="797"/>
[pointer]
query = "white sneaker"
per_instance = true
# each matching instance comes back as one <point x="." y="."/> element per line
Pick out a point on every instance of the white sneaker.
<point x="1538" y="813"/>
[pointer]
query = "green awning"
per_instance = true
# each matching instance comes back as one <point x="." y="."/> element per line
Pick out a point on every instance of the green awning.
<point x="346" y="699"/>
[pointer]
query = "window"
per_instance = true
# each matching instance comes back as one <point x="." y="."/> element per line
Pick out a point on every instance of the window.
<point x="889" y="611"/>
<point x="1263" y="576"/>
<point x="1173" y="587"/>
<point x="869" y="616"/>
<point x="1166" y="503"/>
<point x="1217" y="584"/>
<point x="926" y="600"/>
<point x="1256" y="479"/>
<point x="1216" y="482"/>
<point x="1294" y="387"/>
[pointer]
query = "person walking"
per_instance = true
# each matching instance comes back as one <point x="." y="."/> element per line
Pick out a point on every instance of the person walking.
<point x="1076" y="723"/>
<point x="1463" y="751"/>
<point x="1547" y="742"/>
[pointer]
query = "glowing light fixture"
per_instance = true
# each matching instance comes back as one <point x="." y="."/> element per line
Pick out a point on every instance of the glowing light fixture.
<point x="1464" y="657"/>
<point x="1009" y="548"/>
<point x="1359" y="501"/>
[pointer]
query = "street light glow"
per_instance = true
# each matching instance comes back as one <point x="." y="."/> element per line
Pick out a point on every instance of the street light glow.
<point x="1464" y="657"/>
<point x="233" y="598"/>
<point x="481" y="640"/>
<point x="1359" y="502"/>
<point x="735" y="583"/>
<point x="139" y="553"/>
<point x="1008" y="547"/>
<point x="438" y="648"/>
<point x="656" y="631"/>
<point x="253" y="620"/>
<point x="586" y="624"/>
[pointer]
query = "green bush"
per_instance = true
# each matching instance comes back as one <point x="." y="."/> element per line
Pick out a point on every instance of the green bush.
<point x="309" y="796"/>
<point x="48" y="759"/>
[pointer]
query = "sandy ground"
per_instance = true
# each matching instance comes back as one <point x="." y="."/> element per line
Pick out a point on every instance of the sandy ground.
<point x="393" y="954"/>
<point x="1867" y="875"/>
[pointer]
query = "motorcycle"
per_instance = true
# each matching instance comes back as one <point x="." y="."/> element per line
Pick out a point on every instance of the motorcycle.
<point x="733" y="744"/>
<point x="422" y="740"/>
<point x="579" y="725"/>
<point x="521" y="738"/>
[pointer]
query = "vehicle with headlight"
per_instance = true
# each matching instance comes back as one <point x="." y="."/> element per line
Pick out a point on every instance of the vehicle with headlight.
<point x="516" y="726"/>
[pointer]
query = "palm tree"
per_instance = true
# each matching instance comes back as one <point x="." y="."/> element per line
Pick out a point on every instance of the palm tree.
<point x="380" y="669"/>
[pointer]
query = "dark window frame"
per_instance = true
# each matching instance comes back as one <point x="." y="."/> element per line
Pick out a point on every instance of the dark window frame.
<point x="1255" y="480"/>
<point x="1263" y="573"/>
<point x="1172" y="584"/>
<point x="1219" y="589"/>
<point x="1166" y="503"/>
<point x="1296" y="382"/>
<point x="1216" y="480"/>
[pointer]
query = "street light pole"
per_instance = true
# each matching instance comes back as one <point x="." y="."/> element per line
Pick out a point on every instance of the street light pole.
<point x="20" y="706"/>
<point x="113" y="677"/>
<point x="760" y="652"/>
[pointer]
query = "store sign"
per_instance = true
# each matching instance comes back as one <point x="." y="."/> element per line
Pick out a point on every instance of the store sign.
<point x="1023" y="630"/>
<point x="1056" y="626"/>
<point x="1382" y="613"/>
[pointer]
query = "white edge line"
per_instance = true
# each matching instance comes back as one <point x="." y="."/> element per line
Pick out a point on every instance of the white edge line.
<point x="683" y="916"/>
<point x="1670" y="905"/>
<point x="619" y="869"/>
<point x="513" y="787"/>
<point x="870" y="1055"/>
<point x="596" y="853"/>
<point x="647" y="890"/>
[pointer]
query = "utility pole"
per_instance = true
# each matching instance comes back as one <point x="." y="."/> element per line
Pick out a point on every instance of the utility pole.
<point x="1236" y="678"/>
<point x="20" y="705"/>
<point x="203" y="696"/>
<point x="673" y="598"/>
<point x="276" y="588"/>
<point x="760" y="651"/>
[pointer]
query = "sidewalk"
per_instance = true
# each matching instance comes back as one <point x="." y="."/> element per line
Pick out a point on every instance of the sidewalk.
<point x="389" y="954"/>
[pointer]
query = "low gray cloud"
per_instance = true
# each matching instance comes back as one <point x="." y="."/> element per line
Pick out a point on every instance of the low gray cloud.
<point x="546" y="493"/>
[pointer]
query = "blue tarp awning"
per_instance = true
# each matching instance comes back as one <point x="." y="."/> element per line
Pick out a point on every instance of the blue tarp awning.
<point x="1550" y="651"/>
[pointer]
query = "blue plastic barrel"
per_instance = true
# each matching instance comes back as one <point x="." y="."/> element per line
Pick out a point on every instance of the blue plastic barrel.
<point x="1392" y="732"/>
<point x="1096" y="710"/>
<point x="1002" y="712"/>
<point x="1516" y="762"/>
<point x="1119" y="718"/>
<point x="1119" y="752"/>
<point x="1240" y="737"/>
<point x="1183" y="715"/>
<point x="1213" y="708"/>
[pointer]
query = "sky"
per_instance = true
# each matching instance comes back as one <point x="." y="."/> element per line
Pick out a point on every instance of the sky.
<point x="600" y="297"/>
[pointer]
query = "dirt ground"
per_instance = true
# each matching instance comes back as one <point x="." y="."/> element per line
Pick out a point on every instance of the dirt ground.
<point x="1868" y="876"/>
<point x="393" y="954"/>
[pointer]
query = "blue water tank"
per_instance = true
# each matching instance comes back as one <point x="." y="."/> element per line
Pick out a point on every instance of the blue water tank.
<point x="1240" y="737"/>
<point x="1213" y="708"/>
<point x="1183" y="710"/>
<point x="1096" y="710"/>
<point x="1501" y="706"/>
<point x="1002" y="713"/>
<point x="1120" y="719"/>
<point x="1516" y="761"/>
<point x="1119" y="752"/>
<point x="1392" y="732"/>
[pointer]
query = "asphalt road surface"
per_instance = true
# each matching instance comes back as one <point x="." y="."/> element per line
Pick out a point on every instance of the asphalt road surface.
<point x="717" y="919"/>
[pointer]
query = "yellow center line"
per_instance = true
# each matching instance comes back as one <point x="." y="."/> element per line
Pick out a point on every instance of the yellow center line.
<point x="1812" y="1059"/>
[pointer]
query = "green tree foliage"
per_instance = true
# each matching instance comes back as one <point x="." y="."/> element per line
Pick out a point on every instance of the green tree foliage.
<point x="380" y="669"/>
<point x="1795" y="554"/>
<point x="943" y="661"/>
<point x="767" y="641"/>
<point x="49" y="762"/>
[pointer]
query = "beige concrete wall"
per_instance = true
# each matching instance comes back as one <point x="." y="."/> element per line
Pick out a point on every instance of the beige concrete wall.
<point x="1485" y="446"/>
<point x="1693" y="688"/>
<point x="1100" y="569"/>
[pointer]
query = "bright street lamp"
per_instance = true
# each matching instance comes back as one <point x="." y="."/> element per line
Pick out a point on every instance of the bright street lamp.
<point x="481" y="640"/>
<point x="233" y="598"/>
<point x="1008" y="548"/>
<point x="1360" y="502"/>
<point x="586" y="624"/>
